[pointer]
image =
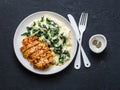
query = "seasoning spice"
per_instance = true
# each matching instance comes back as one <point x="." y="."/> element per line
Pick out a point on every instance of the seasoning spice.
<point x="97" y="43"/>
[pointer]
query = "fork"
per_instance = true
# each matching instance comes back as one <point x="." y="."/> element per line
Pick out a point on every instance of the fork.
<point x="82" y="27"/>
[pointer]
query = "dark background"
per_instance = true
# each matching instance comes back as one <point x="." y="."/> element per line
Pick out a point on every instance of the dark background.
<point x="104" y="74"/>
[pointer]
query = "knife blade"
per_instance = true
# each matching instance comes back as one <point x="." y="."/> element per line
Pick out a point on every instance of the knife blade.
<point x="74" y="25"/>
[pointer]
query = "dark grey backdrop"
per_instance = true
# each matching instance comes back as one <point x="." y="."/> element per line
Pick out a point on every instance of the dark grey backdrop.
<point x="104" y="74"/>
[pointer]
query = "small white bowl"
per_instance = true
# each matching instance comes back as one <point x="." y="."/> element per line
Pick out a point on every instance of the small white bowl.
<point x="97" y="43"/>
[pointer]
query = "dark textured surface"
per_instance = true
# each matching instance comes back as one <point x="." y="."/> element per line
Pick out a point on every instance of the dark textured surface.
<point x="104" y="74"/>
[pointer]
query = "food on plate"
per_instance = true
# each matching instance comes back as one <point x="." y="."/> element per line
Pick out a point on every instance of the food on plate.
<point x="47" y="41"/>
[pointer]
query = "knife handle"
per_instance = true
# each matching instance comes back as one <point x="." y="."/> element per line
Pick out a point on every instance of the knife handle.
<point x="77" y="63"/>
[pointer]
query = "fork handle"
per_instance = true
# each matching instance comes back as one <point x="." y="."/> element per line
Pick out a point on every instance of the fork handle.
<point x="77" y="63"/>
<point x="86" y="61"/>
<point x="85" y="58"/>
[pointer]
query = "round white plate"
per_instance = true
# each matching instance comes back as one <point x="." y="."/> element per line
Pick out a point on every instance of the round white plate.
<point x="18" y="39"/>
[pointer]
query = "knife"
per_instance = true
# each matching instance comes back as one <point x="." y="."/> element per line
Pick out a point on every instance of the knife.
<point x="77" y="63"/>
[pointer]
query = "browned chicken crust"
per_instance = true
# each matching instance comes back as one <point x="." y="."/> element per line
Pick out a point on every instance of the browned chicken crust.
<point x="26" y="47"/>
<point x="29" y="40"/>
<point x="36" y="52"/>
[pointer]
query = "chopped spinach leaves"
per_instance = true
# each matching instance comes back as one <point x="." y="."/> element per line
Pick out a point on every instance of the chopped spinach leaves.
<point x="55" y="41"/>
<point x="63" y="38"/>
<point x="66" y="53"/>
<point x="54" y="31"/>
<point x="26" y="34"/>
<point x="34" y="31"/>
<point x="42" y="19"/>
<point x="39" y="34"/>
<point x="58" y="50"/>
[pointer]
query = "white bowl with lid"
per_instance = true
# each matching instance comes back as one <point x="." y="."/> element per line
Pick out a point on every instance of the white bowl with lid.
<point x="97" y="43"/>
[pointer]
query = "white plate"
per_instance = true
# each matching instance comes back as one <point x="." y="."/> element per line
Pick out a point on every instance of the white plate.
<point x="18" y="38"/>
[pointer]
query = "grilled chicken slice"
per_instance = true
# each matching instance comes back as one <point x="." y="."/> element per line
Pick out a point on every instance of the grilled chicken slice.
<point x="37" y="54"/>
<point x="41" y="58"/>
<point x="32" y="50"/>
<point x="29" y="40"/>
<point x="24" y="48"/>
